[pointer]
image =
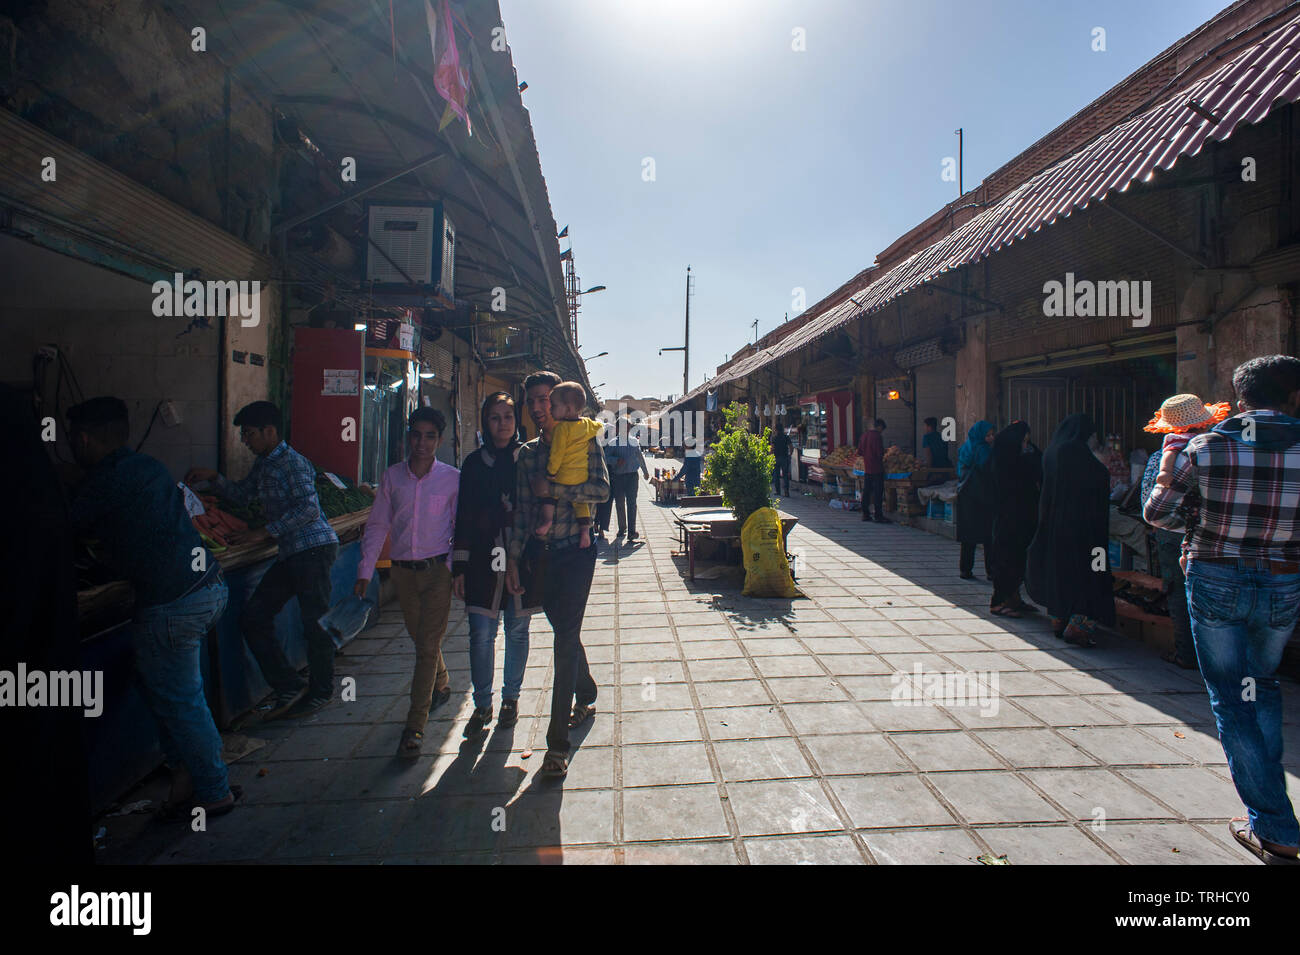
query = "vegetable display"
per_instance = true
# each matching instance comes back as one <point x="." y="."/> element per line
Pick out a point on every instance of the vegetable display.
<point x="335" y="501"/>
<point x="899" y="462"/>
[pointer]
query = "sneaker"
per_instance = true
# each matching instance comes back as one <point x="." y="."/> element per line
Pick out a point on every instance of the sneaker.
<point x="479" y="721"/>
<point x="280" y="704"/>
<point x="440" y="697"/>
<point x="308" y="705"/>
<point x="509" y="714"/>
<point x="633" y="537"/>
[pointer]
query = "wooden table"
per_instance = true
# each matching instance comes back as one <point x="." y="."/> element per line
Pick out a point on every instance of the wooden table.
<point x="715" y="523"/>
<point x="668" y="490"/>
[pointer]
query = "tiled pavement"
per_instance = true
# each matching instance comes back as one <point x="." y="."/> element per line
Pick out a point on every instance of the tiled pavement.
<point x="733" y="730"/>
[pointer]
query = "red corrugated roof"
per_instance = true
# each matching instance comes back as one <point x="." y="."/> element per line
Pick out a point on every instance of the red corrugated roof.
<point x="1245" y="90"/>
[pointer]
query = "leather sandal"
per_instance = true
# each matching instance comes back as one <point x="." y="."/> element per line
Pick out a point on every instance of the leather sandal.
<point x="1245" y="836"/>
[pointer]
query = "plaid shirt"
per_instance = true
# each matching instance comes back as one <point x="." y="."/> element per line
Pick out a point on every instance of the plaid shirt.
<point x="285" y="482"/>
<point x="1250" y="493"/>
<point x="532" y="462"/>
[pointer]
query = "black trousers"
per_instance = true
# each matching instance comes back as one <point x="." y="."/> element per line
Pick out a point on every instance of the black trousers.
<point x="873" y="492"/>
<point x="967" y="564"/>
<point x="624" y="494"/>
<point x="604" y="510"/>
<point x="782" y="470"/>
<point x="568" y="583"/>
<point x="305" y="575"/>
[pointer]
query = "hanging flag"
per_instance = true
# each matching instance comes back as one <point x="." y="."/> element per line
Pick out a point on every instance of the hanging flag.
<point x="566" y="254"/>
<point x="563" y="232"/>
<point x="450" y="78"/>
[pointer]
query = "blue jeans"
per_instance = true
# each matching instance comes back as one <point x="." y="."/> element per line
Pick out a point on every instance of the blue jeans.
<point x="482" y="652"/>
<point x="168" y="641"/>
<point x="1242" y="618"/>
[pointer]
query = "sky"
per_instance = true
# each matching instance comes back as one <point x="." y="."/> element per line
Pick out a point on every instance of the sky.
<point x="777" y="169"/>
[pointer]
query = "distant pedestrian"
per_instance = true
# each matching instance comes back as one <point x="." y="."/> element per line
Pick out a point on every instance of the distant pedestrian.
<point x="1016" y="470"/>
<point x="781" y="451"/>
<point x="974" y="508"/>
<point x="934" y="450"/>
<point x="1067" y="568"/>
<point x="132" y="506"/>
<point x="628" y="459"/>
<point x="485" y="512"/>
<point x="285" y="484"/>
<point x="1179" y="419"/>
<point x="871" y="448"/>
<point x="556" y="566"/>
<point x="693" y="463"/>
<point x="1243" y="583"/>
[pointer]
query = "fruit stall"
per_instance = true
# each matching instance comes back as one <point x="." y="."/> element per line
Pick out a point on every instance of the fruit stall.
<point x="842" y="477"/>
<point x="123" y="743"/>
<point x="904" y="477"/>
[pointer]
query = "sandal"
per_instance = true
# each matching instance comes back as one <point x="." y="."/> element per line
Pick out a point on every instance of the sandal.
<point x="1241" y="831"/>
<point x="581" y="714"/>
<point x="1005" y="611"/>
<point x="1079" y="634"/>
<point x="411" y="742"/>
<point x="554" y="766"/>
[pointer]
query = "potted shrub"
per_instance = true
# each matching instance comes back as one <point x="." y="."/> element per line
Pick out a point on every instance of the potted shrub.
<point x="741" y="465"/>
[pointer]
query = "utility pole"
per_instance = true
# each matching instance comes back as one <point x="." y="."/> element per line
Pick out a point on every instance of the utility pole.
<point x="961" y="190"/>
<point x="755" y="324"/>
<point x="686" y="350"/>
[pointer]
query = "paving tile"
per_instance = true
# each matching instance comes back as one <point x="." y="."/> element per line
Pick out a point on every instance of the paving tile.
<point x="807" y="689"/>
<point x="879" y="802"/>
<point x="1195" y="792"/>
<point x="729" y="669"/>
<point x="1067" y="711"/>
<point x="656" y="764"/>
<point x="745" y="722"/>
<point x="1096" y="795"/>
<point x="731" y="693"/>
<point x="828" y="717"/>
<point x="1169" y="844"/>
<point x="802" y="665"/>
<point x="770" y="807"/>
<point x="892" y="716"/>
<point x="682" y="853"/>
<point x="1034" y="747"/>
<point x="773" y="758"/>
<point x="672" y="812"/>
<point x="1045" y="845"/>
<point x="922" y="847"/>
<point x="1121" y="745"/>
<point x="984" y="797"/>
<point x="945" y="751"/>
<point x="656" y="696"/>
<point x="803" y="850"/>
<point x="660" y="727"/>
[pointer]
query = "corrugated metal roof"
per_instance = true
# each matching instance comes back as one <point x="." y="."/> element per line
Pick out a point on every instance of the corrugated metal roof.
<point x="1245" y="90"/>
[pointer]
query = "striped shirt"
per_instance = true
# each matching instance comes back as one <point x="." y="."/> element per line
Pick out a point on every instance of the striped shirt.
<point x="530" y="462"/>
<point x="1249" y="489"/>
<point x="285" y="482"/>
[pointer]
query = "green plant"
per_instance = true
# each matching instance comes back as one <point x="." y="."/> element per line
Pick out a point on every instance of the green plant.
<point x="741" y="465"/>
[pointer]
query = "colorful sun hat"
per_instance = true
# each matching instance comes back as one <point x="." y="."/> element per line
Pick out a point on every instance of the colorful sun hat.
<point x="1184" y="413"/>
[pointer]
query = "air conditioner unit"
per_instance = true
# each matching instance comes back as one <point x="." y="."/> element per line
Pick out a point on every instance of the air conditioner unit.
<point x="411" y="243"/>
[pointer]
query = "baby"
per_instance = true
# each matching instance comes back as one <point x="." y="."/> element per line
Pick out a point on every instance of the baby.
<point x="567" y="461"/>
<point x="1180" y="419"/>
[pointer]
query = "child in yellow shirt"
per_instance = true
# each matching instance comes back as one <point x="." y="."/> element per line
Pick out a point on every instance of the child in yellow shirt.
<point x="567" y="461"/>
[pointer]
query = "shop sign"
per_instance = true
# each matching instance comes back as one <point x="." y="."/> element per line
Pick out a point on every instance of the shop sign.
<point x="342" y="381"/>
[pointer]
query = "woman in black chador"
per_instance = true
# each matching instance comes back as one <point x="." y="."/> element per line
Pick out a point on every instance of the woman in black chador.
<point x="1067" y="564"/>
<point x="1016" y="467"/>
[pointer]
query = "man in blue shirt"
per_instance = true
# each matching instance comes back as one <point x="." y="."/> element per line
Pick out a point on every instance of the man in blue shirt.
<point x="131" y="506"/>
<point x="625" y="453"/>
<point x="285" y="482"/>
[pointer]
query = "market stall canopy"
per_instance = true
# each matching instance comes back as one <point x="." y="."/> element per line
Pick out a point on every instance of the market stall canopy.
<point x="1258" y="80"/>
<point x="359" y="84"/>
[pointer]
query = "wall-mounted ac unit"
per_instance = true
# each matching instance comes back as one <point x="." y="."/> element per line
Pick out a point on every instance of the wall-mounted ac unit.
<point x="411" y="243"/>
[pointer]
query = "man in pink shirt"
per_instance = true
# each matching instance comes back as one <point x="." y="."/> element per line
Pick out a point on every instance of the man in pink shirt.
<point x="415" y="508"/>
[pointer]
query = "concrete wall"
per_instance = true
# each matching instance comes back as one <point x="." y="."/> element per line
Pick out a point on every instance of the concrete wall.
<point x="134" y="356"/>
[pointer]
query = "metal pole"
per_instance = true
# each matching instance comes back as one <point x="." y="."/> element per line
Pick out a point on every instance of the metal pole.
<point x="961" y="189"/>
<point x="686" y="353"/>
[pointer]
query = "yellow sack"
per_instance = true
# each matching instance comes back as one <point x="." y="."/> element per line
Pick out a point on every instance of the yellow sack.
<point x="767" y="574"/>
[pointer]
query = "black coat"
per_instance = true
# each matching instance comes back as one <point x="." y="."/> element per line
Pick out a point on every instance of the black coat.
<point x="1073" y="521"/>
<point x="974" y="511"/>
<point x="484" y="514"/>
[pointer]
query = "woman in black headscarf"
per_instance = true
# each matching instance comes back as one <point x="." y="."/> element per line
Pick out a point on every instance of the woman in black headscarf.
<point x="484" y="514"/>
<point x="1073" y="532"/>
<point x="1015" y="470"/>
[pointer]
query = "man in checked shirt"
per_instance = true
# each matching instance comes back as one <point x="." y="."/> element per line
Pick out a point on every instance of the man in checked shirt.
<point x="285" y="482"/>
<point x="1243" y="583"/>
<point x="557" y="569"/>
